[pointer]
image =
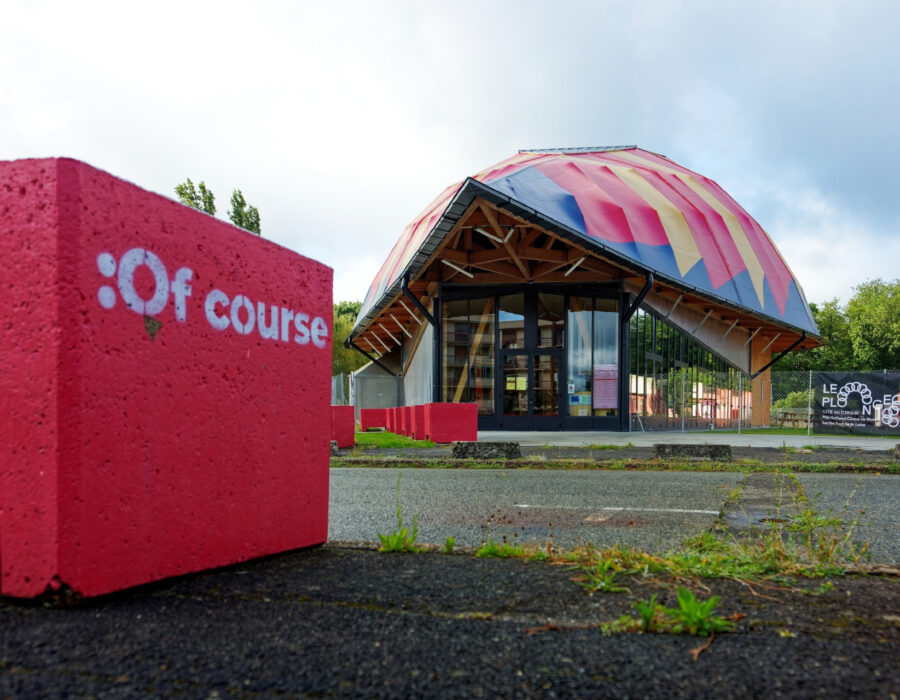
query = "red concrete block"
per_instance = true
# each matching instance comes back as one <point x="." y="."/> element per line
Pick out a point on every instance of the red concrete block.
<point x="372" y="418"/>
<point x="165" y="386"/>
<point x="405" y="421"/>
<point x="419" y="422"/>
<point x="395" y="420"/>
<point x="343" y="425"/>
<point x="448" y="422"/>
<point x="410" y="422"/>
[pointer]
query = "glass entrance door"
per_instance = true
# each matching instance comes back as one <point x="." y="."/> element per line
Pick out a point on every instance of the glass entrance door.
<point x="516" y="391"/>
<point x="531" y="395"/>
<point x="545" y="413"/>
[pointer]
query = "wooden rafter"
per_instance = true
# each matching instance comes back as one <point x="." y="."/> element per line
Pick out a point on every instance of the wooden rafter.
<point x="492" y="221"/>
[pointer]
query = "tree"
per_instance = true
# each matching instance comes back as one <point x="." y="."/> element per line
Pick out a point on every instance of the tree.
<point x="204" y="200"/>
<point x="345" y="360"/>
<point x="247" y="217"/>
<point x="873" y="315"/>
<point x="835" y="353"/>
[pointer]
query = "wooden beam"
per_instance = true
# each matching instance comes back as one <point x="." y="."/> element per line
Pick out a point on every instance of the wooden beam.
<point x="488" y="256"/>
<point x="492" y="220"/>
<point x="543" y="254"/>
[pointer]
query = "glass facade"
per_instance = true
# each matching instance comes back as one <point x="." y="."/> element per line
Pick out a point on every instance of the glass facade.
<point x="593" y="357"/>
<point x="543" y="360"/>
<point x="675" y="383"/>
<point x="468" y="356"/>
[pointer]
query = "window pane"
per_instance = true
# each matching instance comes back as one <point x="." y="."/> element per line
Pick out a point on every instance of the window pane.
<point x="606" y="358"/>
<point x="512" y="321"/>
<point x="550" y="320"/>
<point x="579" y="354"/>
<point x="546" y="386"/>
<point x="481" y="365"/>
<point x="456" y="342"/>
<point x="515" y="385"/>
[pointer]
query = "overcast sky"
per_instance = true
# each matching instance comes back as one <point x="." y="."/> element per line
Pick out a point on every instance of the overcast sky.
<point x="341" y="121"/>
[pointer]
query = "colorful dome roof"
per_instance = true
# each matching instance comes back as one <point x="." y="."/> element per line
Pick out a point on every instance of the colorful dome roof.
<point x="638" y="207"/>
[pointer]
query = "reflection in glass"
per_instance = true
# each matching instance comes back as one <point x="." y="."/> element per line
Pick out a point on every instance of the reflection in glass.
<point x="593" y="357"/>
<point x="551" y="320"/>
<point x="515" y="385"/>
<point x="512" y="321"/>
<point x="546" y="385"/>
<point x="579" y="328"/>
<point x="468" y="371"/>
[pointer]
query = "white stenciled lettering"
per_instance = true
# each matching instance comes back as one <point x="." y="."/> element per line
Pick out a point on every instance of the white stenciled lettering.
<point x="301" y="337"/>
<point x="319" y="332"/>
<point x="181" y="290"/>
<point x="222" y="311"/>
<point x="220" y="323"/>
<point x="267" y="331"/>
<point x="242" y="302"/>
<point x="286" y="316"/>
<point x="133" y="259"/>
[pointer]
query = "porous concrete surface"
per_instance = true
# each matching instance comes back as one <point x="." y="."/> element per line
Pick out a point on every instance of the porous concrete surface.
<point x="486" y="450"/>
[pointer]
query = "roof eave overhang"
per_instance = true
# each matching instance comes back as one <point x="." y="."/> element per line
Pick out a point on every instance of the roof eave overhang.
<point x="472" y="189"/>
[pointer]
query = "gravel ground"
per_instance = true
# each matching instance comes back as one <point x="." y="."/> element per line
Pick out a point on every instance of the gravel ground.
<point x="349" y="622"/>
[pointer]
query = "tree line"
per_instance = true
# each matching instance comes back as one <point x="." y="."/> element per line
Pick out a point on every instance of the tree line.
<point x="201" y="197"/>
<point x="862" y="336"/>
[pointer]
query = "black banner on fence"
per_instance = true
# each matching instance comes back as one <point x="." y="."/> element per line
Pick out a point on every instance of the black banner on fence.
<point x="856" y="402"/>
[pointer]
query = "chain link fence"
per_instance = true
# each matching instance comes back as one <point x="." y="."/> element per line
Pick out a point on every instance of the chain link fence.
<point x="376" y="392"/>
<point x="791" y="401"/>
<point x="680" y="400"/>
<point x="685" y="399"/>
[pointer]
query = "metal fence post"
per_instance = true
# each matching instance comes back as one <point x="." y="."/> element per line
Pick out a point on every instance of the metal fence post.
<point x="740" y="399"/>
<point x="809" y="407"/>
<point x="682" y="400"/>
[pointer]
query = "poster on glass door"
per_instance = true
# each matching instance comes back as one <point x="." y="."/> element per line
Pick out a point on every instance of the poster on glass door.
<point x="606" y="386"/>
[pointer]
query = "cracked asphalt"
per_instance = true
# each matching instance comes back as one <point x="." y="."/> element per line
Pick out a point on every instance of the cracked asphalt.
<point x="346" y="621"/>
<point x="651" y="510"/>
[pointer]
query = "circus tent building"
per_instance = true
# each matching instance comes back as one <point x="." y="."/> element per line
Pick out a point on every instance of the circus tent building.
<point x="586" y="289"/>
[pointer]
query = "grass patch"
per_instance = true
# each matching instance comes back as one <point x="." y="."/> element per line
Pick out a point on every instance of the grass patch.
<point x="499" y="550"/>
<point x="403" y="539"/>
<point x="370" y="441"/>
<point x="790" y="431"/>
<point x="611" y="447"/>
<point x="543" y="462"/>
<point x="692" y="616"/>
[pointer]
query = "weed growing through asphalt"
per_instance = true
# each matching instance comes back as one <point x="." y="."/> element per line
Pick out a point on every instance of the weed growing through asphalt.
<point x="402" y="539"/>
<point x="692" y="616"/>
<point x="448" y="545"/>
<point x="500" y="550"/>
<point x="601" y="577"/>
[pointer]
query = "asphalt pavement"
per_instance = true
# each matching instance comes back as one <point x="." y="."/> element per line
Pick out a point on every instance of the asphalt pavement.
<point x="748" y="438"/>
<point x="651" y="510"/>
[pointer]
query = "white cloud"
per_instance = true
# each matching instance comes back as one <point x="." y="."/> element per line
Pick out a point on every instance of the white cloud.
<point x="830" y="250"/>
<point x="341" y="120"/>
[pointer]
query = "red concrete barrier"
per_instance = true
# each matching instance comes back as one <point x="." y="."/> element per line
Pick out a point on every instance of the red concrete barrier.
<point x="448" y="422"/>
<point x="419" y="422"/>
<point x="408" y="421"/>
<point x="343" y="425"/>
<point x="164" y="390"/>
<point x="395" y="420"/>
<point x="372" y="418"/>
